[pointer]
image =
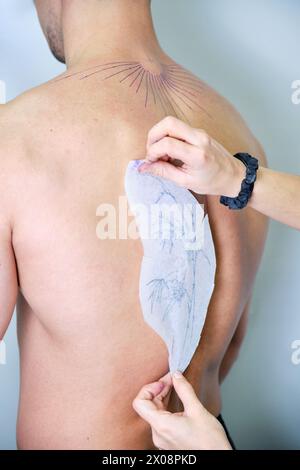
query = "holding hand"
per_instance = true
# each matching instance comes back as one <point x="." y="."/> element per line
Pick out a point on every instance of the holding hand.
<point x="194" y="429"/>
<point x="203" y="168"/>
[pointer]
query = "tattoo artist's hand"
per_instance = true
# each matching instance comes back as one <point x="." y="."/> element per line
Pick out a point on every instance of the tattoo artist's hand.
<point x="194" y="429"/>
<point x="192" y="159"/>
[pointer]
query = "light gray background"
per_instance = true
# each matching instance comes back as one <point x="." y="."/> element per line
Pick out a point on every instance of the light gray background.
<point x="249" y="51"/>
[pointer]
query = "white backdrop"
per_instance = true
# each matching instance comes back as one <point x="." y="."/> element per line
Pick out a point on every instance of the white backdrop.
<point x="249" y="51"/>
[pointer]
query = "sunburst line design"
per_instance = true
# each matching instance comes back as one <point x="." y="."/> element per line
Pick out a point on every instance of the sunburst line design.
<point x="174" y="89"/>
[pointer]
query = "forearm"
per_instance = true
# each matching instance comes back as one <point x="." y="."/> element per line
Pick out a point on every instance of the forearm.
<point x="277" y="195"/>
<point x="210" y="168"/>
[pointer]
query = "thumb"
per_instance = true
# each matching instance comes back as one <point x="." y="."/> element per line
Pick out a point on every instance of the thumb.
<point x="144" y="403"/>
<point x="164" y="170"/>
<point x="186" y="393"/>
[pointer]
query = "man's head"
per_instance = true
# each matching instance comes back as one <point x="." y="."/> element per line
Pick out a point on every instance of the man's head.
<point x="54" y="14"/>
<point x="50" y="16"/>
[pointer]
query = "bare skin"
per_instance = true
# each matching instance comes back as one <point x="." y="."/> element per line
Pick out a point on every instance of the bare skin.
<point x="192" y="429"/>
<point x="64" y="150"/>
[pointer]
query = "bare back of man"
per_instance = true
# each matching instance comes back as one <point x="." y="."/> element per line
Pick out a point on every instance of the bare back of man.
<point x="84" y="347"/>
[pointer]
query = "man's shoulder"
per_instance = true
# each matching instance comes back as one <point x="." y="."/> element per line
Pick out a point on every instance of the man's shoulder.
<point x="9" y="149"/>
<point x="29" y="106"/>
<point x="232" y="130"/>
<point x="22" y="118"/>
<point x="15" y="115"/>
<point x="220" y="118"/>
<point x="22" y="121"/>
<point x="17" y="126"/>
<point x="12" y="132"/>
<point x="9" y="133"/>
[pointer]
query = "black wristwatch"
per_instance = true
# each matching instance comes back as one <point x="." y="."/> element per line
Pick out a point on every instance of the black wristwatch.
<point x="241" y="201"/>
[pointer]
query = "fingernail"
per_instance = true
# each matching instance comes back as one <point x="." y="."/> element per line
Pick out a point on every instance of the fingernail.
<point x="177" y="375"/>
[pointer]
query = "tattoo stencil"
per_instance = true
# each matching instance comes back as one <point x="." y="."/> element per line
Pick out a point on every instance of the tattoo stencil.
<point x="174" y="89"/>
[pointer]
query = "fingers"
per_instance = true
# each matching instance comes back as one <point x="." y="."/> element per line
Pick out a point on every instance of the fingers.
<point x="167" y="379"/>
<point x="168" y="384"/>
<point x="172" y="127"/>
<point x="186" y="393"/>
<point x="150" y="391"/>
<point x="170" y="148"/>
<point x="166" y="170"/>
<point x="145" y="402"/>
<point x="163" y="398"/>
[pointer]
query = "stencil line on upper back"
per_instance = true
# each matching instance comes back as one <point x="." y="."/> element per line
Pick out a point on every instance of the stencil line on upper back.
<point x="173" y="88"/>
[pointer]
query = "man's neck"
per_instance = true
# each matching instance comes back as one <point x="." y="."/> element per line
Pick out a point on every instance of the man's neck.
<point x="100" y="29"/>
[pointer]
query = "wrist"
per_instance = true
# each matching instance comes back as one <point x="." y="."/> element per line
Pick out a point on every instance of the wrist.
<point x="232" y="185"/>
<point x="261" y="174"/>
<point x="247" y="185"/>
<point x="238" y="176"/>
